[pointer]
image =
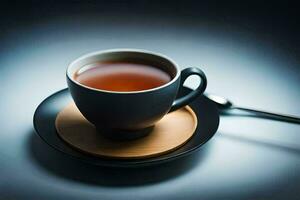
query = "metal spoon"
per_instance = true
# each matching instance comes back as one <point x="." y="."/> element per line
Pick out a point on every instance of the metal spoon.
<point x="224" y="104"/>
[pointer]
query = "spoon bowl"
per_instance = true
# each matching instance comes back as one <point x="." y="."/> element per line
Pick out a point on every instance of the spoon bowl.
<point x="222" y="102"/>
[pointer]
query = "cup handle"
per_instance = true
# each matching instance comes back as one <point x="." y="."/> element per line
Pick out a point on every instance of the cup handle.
<point x="185" y="100"/>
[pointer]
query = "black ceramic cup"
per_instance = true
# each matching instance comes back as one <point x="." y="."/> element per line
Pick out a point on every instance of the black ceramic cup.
<point x="127" y="115"/>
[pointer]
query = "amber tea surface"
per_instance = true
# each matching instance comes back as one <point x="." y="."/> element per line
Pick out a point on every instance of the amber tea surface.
<point x="121" y="76"/>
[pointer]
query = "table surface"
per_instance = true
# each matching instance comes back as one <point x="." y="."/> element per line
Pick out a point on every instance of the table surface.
<point x="249" y="158"/>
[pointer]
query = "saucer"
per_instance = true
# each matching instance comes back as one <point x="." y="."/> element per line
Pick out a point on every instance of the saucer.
<point x="44" y="124"/>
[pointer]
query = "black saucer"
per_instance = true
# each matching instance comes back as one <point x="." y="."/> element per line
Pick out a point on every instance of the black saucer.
<point x="44" y="124"/>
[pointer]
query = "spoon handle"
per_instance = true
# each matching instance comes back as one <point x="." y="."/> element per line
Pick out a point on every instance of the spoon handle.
<point x="282" y="117"/>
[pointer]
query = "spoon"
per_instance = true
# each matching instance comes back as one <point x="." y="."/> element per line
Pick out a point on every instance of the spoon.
<point x="224" y="105"/>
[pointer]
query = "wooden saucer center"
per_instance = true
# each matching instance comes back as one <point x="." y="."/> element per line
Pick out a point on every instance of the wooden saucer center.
<point x="171" y="132"/>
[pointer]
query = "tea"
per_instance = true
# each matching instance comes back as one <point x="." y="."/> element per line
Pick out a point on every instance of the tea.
<point x="121" y="76"/>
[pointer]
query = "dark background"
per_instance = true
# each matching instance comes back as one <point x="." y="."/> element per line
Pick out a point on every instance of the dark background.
<point x="248" y="49"/>
<point x="274" y="20"/>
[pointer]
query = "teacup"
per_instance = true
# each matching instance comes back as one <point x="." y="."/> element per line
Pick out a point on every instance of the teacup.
<point x="126" y="114"/>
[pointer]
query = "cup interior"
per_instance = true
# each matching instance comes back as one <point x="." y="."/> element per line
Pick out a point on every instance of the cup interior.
<point x="124" y="55"/>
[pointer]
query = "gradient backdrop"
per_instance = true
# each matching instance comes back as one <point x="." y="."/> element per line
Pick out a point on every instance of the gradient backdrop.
<point x="250" y="52"/>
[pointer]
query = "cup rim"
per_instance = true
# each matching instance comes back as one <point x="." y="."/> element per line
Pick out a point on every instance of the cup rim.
<point x="124" y="50"/>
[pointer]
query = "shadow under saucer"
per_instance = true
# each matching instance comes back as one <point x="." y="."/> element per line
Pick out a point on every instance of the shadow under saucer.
<point x="64" y="166"/>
